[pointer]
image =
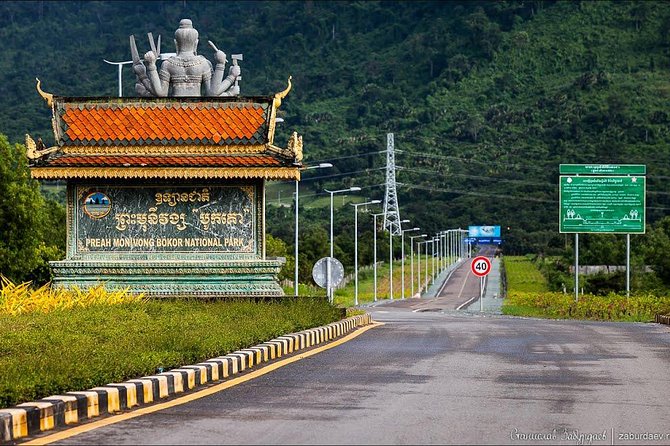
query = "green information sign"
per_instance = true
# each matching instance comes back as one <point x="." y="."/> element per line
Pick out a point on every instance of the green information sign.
<point x="602" y="169"/>
<point x="602" y="204"/>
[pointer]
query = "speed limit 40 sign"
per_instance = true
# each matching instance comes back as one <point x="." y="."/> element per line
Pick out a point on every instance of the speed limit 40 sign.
<point x="480" y="266"/>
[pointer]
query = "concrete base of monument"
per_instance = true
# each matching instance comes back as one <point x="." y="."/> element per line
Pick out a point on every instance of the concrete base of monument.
<point x="197" y="277"/>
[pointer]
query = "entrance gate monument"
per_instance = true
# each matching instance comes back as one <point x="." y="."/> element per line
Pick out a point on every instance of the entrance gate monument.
<point x="165" y="191"/>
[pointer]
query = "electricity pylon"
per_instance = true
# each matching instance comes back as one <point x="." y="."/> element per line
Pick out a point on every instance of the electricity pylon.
<point x="391" y="212"/>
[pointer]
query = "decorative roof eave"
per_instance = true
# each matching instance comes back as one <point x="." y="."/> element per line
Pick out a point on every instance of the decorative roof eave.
<point x="68" y="173"/>
<point x="193" y="149"/>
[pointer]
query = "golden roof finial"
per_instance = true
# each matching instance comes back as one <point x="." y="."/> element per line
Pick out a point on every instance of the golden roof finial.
<point x="46" y="96"/>
<point x="282" y="94"/>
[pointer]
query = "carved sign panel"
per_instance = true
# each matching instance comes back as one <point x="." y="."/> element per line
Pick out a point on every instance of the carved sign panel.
<point x="155" y="219"/>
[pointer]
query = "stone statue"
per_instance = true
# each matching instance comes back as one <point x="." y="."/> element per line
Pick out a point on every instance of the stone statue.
<point x="186" y="72"/>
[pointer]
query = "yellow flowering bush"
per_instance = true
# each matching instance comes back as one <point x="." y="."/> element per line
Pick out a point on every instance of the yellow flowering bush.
<point x="21" y="298"/>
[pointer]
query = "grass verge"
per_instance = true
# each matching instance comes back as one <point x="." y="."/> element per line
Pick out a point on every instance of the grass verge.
<point x="613" y="307"/>
<point x="43" y="354"/>
<point x="528" y="295"/>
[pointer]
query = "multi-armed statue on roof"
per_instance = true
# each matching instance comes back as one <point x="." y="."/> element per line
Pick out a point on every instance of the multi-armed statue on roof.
<point x="186" y="73"/>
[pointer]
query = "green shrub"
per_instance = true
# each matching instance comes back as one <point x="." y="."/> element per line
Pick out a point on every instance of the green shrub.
<point x="612" y="307"/>
<point x="43" y="354"/>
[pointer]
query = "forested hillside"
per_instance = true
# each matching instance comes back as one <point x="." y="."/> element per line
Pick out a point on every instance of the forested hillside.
<point x="485" y="98"/>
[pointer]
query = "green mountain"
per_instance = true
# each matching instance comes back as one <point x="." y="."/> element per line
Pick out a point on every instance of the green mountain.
<point x="485" y="98"/>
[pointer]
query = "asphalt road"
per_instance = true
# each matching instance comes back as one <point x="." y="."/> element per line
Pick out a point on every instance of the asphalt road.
<point x="460" y="287"/>
<point x="439" y="378"/>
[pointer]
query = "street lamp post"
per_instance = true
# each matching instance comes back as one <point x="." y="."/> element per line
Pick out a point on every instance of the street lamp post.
<point x="120" y="65"/>
<point x="411" y="257"/>
<point x="356" y="205"/>
<point x="445" y="263"/>
<point x="374" y="216"/>
<point x="429" y="275"/>
<point x="391" y="257"/>
<point x="425" y="270"/>
<point x="432" y="255"/>
<point x="333" y="192"/>
<point x="402" y="260"/>
<point x="295" y="278"/>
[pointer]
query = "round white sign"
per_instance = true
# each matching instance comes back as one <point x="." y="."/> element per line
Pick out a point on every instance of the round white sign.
<point x="320" y="272"/>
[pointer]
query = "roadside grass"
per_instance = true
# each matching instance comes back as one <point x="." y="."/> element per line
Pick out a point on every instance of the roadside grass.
<point x="345" y="296"/>
<point x="523" y="275"/>
<point x="528" y="295"/>
<point x="613" y="307"/>
<point x="48" y="353"/>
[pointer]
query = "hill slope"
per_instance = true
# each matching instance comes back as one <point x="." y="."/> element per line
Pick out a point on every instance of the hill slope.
<point x="485" y="98"/>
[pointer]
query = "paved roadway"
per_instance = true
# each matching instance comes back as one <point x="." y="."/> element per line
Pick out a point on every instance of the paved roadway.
<point x="438" y="378"/>
<point x="460" y="288"/>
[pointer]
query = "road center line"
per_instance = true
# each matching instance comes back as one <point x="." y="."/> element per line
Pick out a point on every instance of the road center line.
<point x="460" y="293"/>
<point x="71" y="432"/>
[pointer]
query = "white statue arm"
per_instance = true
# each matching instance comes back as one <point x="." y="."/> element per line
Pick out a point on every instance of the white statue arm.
<point x="159" y="84"/>
<point x="219" y="86"/>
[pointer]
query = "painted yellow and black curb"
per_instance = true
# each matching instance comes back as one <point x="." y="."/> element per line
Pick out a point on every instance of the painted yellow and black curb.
<point x="32" y="418"/>
<point x="663" y="319"/>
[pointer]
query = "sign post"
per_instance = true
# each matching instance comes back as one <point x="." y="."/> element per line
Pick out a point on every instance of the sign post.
<point x="480" y="267"/>
<point x="604" y="199"/>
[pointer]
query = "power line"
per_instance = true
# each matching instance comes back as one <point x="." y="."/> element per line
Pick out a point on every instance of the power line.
<point x="478" y="177"/>
<point x="316" y="194"/>
<point x="343" y="173"/>
<point x="480" y="194"/>
<point x="347" y="157"/>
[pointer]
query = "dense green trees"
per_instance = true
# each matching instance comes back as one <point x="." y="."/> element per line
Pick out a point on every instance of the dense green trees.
<point x="657" y="249"/>
<point x="32" y="229"/>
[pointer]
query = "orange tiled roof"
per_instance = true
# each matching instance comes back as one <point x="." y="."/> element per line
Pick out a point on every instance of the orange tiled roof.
<point x="76" y="160"/>
<point x="135" y="121"/>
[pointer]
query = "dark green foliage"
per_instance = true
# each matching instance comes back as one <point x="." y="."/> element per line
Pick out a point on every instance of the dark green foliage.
<point x="32" y="229"/>
<point x="48" y="354"/>
<point x="657" y="249"/>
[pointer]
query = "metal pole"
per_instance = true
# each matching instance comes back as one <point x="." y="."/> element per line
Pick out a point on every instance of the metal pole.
<point x="451" y="247"/>
<point x="418" y="273"/>
<point x="481" y="294"/>
<point x="390" y="263"/>
<point x="355" y="255"/>
<point x="120" y="81"/>
<point x="425" y="273"/>
<point x="374" y="232"/>
<point x="411" y="265"/>
<point x="458" y="243"/>
<point x="402" y="264"/>
<point x="627" y="265"/>
<point x="295" y="276"/>
<point x="443" y="241"/>
<point x="432" y="260"/>
<point x="330" y="288"/>
<point x="576" y="267"/>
